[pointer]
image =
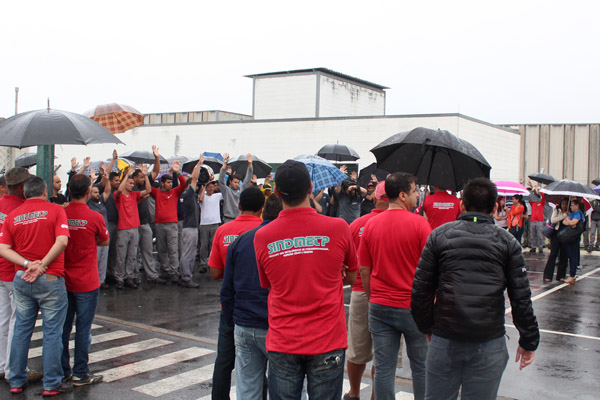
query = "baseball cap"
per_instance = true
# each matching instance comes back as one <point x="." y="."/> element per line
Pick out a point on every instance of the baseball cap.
<point x="292" y="179"/>
<point x="16" y="176"/>
<point x="266" y="186"/>
<point x="380" y="191"/>
<point x="371" y="184"/>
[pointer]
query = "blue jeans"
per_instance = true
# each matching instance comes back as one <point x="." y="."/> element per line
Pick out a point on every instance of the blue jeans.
<point x="83" y="305"/>
<point x="573" y="254"/>
<point x="387" y="325"/>
<point x="478" y="367"/>
<point x="250" y="363"/>
<point x="324" y="373"/>
<point x="51" y="298"/>
<point x="225" y="360"/>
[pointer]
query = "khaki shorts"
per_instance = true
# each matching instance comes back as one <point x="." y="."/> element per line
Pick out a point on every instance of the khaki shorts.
<point x="360" y="346"/>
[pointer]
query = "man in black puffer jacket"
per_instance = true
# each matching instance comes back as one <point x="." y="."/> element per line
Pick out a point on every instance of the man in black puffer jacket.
<point x="458" y="300"/>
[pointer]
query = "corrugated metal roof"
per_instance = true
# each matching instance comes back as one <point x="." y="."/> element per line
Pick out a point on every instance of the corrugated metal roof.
<point x="323" y="70"/>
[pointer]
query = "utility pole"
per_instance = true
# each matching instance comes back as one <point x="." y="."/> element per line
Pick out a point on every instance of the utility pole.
<point x="45" y="163"/>
<point x="16" y="100"/>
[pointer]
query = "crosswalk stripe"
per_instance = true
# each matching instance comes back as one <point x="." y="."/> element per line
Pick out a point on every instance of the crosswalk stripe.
<point x="176" y="382"/>
<point x="140" y="367"/>
<point x="39" y="335"/>
<point x="232" y="395"/>
<point x="105" y="337"/>
<point x="124" y="350"/>
<point x="346" y="386"/>
<point x="404" y="396"/>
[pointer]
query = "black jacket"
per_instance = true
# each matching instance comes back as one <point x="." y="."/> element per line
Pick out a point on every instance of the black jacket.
<point x="458" y="290"/>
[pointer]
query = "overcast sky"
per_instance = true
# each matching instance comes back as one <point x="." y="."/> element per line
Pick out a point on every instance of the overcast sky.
<point x="513" y="62"/>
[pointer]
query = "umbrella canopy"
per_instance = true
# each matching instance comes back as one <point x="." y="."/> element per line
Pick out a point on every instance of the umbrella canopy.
<point x="596" y="181"/>
<point x="566" y="187"/>
<point x="115" y="117"/>
<point x="509" y="188"/>
<point x="436" y="157"/>
<point x="323" y="173"/>
<point x="364" y="175"/>
<point x="213" y="162"/>
<point x="542" y="178"/>
<point x="260" y="167"/>
<point x="26" y="160"/>
<point x="48" y="127"/>
<point x="167" y="167"/>
<point x="597" y="189"/>
<point x="143" y="157"/>
<point x="338" y="152"/>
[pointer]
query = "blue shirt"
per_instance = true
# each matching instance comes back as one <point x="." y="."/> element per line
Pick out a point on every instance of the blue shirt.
<point x="576" y="215"/>
<point x="243" y="300"/>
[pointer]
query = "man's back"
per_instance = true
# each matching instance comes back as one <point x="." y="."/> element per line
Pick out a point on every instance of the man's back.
<point x="7" y="204"/>
<point x="226" y="234"/>
<point x="440" y="208"/>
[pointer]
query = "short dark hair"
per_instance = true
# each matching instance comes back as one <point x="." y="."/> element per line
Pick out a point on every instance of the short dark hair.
<point x="252" y="199"/>
<point x="398" y="182"/>
<point x="272" y="207"/>
<point x="480" y="195"/>
<point x="165" y="177"/>
<point x="34" y="187"/>
<point x="79" y="186"/>
<point x="232" y="177"/>
<point x="136" y="173"/>
<point x="113" y="174"/>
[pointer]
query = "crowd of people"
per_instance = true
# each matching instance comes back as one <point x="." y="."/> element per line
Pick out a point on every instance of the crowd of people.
<point x="424" y="266"/>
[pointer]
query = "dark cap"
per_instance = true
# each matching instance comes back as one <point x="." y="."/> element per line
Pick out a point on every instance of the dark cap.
<point x="292" y="179"/>
<point x="16" y="176"/>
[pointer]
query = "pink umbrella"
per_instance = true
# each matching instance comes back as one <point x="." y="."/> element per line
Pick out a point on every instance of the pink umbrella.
<point x="508" y="188"/>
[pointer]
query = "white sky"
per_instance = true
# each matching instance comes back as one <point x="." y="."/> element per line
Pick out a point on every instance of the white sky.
<point x="507" y="62"/>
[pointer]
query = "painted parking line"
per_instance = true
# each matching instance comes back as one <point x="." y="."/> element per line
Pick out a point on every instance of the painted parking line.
<point x="39" y="335"/>
<point x="562" y="333"/>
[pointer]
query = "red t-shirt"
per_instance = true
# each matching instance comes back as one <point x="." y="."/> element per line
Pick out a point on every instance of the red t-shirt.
<point x="391" y="245"/>
<point x="537" y="209"/>
<point x="166" y="202"/>
<point x="31" y="230"/>
<point x="440" y="208"/>
<point x="7" y="204"/>
<point x="356" y="227"/>
<point x="81" y="261"/>
<point x="226" y="234"/>
<point x="129" y="217"/>
<point x="300" y="256"/>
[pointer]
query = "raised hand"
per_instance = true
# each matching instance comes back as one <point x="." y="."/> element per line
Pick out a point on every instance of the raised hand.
<point x="73" y="164"/>
<point x="201" y="159"/>
<point x="115" y="155"/>
<point x="155" y="150"/>
<point x="196" y="170"/>
<point x="102" y="169"/>
<point x="249" y="159"/>
<point x="145" y="169"/>
<point x="93" y="175"/>
<point x="86" y="162"/>
<point x="176" y="167"/>
<point x="344" y="169"/>
<point x="226" y="158"/>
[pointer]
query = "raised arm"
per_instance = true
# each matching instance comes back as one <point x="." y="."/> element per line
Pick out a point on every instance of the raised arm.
<point x="156" y="168"/>
<point x="249" y="173"/>
<point x="115" y="155"/>
<point x="148" y="188"/>
<point x="223" y="172"/>
<point x="86" y="164"/>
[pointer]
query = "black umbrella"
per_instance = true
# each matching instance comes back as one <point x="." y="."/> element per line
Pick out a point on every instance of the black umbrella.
<point x="596" y="181"/>
<point x="338" y="152"/>
<point x="143" y="157"/>
<point x="364" y="175"/>
<point x="566" y="187"/>
<point x="240" y="165"/>
<point x="212" y="162"/>
<point x="436" y="157"/>
<point x="26" y="160"/>
<point x="542" y="178"/>
<point x="48" y="127"/>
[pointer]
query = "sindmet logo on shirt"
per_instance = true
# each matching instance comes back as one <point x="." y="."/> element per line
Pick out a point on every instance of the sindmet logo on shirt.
<point x="298" y="245"/>
<point x="77" y="223"/>
<point x="30" y="217"/>
<point x="228" y="239"/>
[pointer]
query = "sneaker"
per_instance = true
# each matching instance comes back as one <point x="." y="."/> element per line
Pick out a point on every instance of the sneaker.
<point x="68" y="378"/>
<point x="34" y="376"/>
<point x="348" y="397"/>
<point x="546" y="280"/>
<point x="18" y="390"/>
<point x="62" y="388"/>
<point x="130" y="283"/>
<point x="570" y="280"/>
<point x="189" y="284"/>
<point x="589" y="249"/>
<point x="158" y="279"/>
<point x="88" y="379"/>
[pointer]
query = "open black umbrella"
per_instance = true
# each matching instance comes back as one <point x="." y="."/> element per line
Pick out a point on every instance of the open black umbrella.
<point x="26" y="160"/>
<point x="364" y="175"/>
<point x="566" y="187"/>
<point x="436" y="157"/>
<point x="542" y="178"/>
<point x="48" y="127"/>
<point x="596" y="181"/>
<point x="212" y="162"/>
<point x="143" y="157"/>
<point x="240" y="165"/>
<point x="338" y="152"/>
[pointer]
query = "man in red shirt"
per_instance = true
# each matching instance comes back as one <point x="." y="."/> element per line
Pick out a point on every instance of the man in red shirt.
<point x="304" y="258"/>
<point x="126" y="200"/>
<point x="536" y="222"/>
<point x="389" y="252"/>
<point x="251" y="205"/>
<point x="441" y="207"/>
<point x="167" y="242"/>
<point x="81" y="278"/>
<point x="33" y="238"/>
<point x="359" y="338"/>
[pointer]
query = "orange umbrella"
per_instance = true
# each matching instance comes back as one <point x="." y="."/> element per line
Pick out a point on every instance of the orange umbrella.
<point x="115" y="117"/>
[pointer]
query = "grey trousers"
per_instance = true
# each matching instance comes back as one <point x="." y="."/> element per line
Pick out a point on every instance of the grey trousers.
<point x="145" y="248"/>
<point x="167" y="246"/>
<point x="112" y="249"/>
<point x="536" y="234"/>
<point x="102" y="253"/>
<point x="188" y="256"/>
<point x="207" y="234"/>
<point x="179" y="239"/>
<point x="593" y="233"/>
<point x="127" y="243"/>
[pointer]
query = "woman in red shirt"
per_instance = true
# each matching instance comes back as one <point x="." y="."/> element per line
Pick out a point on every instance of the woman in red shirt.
<point x="516" y="217"/>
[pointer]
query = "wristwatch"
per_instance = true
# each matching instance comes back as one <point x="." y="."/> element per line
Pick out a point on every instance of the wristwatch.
<point x="25" y="263"/>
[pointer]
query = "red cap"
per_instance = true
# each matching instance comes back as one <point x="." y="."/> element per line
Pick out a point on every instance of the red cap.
<point x="380" y="191"/>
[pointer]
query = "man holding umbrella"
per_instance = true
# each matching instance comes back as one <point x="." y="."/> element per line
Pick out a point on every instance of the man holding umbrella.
<point x="231" y="193"/>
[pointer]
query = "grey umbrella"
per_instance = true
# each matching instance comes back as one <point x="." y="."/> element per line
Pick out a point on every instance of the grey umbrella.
<point x="143" y="157"/>
<point x="49" y="127"/>
<point x="26" y="160"/>
<point x="213" y="162"/>
<point x="338" y="152"/>
<point x="436" y="157"/>
<point x="542" y="178"/>
<point x="260" y="168"/>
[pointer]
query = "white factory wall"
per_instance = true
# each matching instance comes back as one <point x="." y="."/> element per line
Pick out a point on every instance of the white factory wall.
<point x="276" y="141"/>
<point x="285" y="97"/>
<point x="342" y="98"/>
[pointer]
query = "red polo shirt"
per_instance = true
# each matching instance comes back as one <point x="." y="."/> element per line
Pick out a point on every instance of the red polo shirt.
<point x="81" y="261"/>
<point x="537" y="209"/>
<point x="300" y="256"/>
<point x="226" y="234"/>
<point x="356" y="228"/>
<point x="129" y="217"/>
<point x="7" y="204"/>
<point x="440" y="208"/>
<point x="166" y="202"/>
<point x="31" y="230"/>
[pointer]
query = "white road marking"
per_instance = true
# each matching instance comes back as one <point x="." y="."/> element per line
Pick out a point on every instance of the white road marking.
<point x="346" y="386"/>
<point x="140" y="367"/>
<point x="105" y="337"/>
<point x="177" y="382"/>
<point x="404" y="396"/>
<point x="562" y="333"/>
<point x="124" y="350"/>
<point x="39" y="335"/>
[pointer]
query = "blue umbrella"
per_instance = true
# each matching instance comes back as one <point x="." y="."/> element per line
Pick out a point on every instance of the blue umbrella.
<point x="323" y="173"/>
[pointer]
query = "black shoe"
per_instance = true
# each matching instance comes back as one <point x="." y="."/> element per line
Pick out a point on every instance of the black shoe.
<point x="62" y="388"/>
<point x="130" y="283"/>
<point x="174" y="279"/>
<point x="158" y="279"/>
<point x="189" y="284"/>
<point x="119" y="285"/>
<point x="88" y="379"/>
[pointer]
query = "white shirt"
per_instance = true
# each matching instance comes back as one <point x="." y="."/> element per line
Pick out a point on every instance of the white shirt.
<point x="211" y="209"/>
